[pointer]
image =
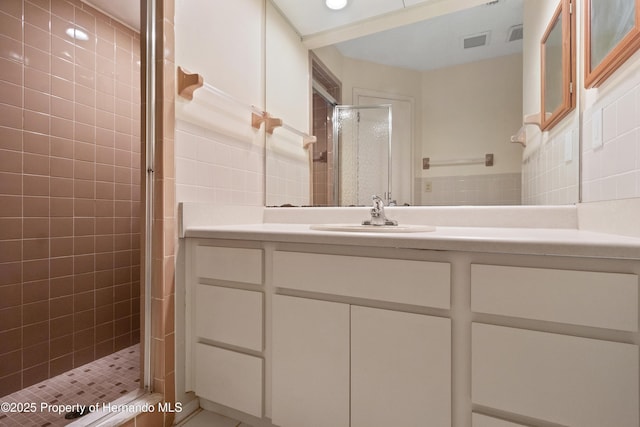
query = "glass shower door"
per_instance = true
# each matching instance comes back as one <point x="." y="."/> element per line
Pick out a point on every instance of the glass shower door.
<point x="363" y="163"/>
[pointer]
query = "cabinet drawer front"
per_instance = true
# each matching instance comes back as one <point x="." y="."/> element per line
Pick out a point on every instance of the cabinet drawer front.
<point x="231" y="316"/>
<point x="229" y="378"/>
<point x="233" y="264"/>
<point x="556" y="378"/>
<point x="393" y="280"/>
<point x="604" y="300"/>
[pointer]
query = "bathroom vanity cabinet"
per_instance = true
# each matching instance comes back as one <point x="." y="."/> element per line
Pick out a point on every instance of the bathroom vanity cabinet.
<point x="570" y="372"/>
<point x="296" y="333"/>
<point x="346" y="364"/>
<point x="341" y="364"/>
<point x="227" y="326"/>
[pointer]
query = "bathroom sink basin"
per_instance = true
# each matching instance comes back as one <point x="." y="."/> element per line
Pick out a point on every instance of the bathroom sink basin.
<point x="373" y="228"/>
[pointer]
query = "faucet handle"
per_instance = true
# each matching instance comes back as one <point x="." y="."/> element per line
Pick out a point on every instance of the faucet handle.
<point x="378" y="216"/>
<point x="378" y="203"/>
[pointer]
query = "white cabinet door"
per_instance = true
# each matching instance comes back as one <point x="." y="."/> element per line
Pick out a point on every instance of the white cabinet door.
<point x="310" y="363"/>
<point x="400" y="369"/>
<point x="555" y="378"/>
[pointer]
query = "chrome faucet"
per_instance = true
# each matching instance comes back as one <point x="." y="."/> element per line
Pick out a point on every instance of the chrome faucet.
<point x="378" y="216"/>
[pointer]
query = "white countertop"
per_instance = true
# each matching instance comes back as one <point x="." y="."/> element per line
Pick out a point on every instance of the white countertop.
<point x="515" y="240"/>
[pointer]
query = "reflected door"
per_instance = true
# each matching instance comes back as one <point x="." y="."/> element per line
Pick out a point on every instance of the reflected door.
<point x="363" y="164"/>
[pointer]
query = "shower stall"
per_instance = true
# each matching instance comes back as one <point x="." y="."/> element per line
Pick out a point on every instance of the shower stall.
<point x="70" y="187"/>
<point x="352" y="158"/>
<point x="362" y="135"/>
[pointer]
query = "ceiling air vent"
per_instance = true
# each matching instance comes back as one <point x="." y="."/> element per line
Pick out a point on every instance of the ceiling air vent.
<point x="515" y="33"/>
<point x="475" y="40"/>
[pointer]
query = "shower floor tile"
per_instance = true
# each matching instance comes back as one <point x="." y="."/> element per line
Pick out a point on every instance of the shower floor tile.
<point x="103" y="380"/>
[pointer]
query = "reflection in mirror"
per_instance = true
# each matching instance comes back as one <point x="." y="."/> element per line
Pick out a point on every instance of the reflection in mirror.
<point x="612" y="35"/>
<point x="553" y="68"/>
<point x="611" y="21"/>
<point x="465" y="98"/>
<point x="325" y="95"/>
<point x="363" y="137"/>
<point x="455" y="85"/>
<point x="557" y="58"/>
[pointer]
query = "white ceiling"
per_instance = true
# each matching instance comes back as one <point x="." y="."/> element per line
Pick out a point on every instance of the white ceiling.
<point x="427" y="44"/>
<point x="313" y="16"/>
<point x="125" y="11"/>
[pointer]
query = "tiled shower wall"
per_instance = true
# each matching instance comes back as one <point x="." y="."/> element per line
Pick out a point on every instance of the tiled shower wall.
<point x="69" y="188"/>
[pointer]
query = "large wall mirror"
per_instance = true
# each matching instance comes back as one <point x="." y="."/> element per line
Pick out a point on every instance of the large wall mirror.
<point x="558" y="66"/>
<point x="612" y="34"/>
<point x="453" y="73"/>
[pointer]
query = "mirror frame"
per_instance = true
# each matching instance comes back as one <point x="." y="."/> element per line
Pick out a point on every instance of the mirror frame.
<point x="566" y="17"/>
<point x="615" y="58"/>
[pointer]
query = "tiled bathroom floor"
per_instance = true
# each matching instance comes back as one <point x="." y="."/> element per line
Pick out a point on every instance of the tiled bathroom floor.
<point x="103" y="380"/>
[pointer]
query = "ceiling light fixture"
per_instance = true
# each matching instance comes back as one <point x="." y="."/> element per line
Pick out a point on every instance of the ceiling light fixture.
<point x="336" y="4"/>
